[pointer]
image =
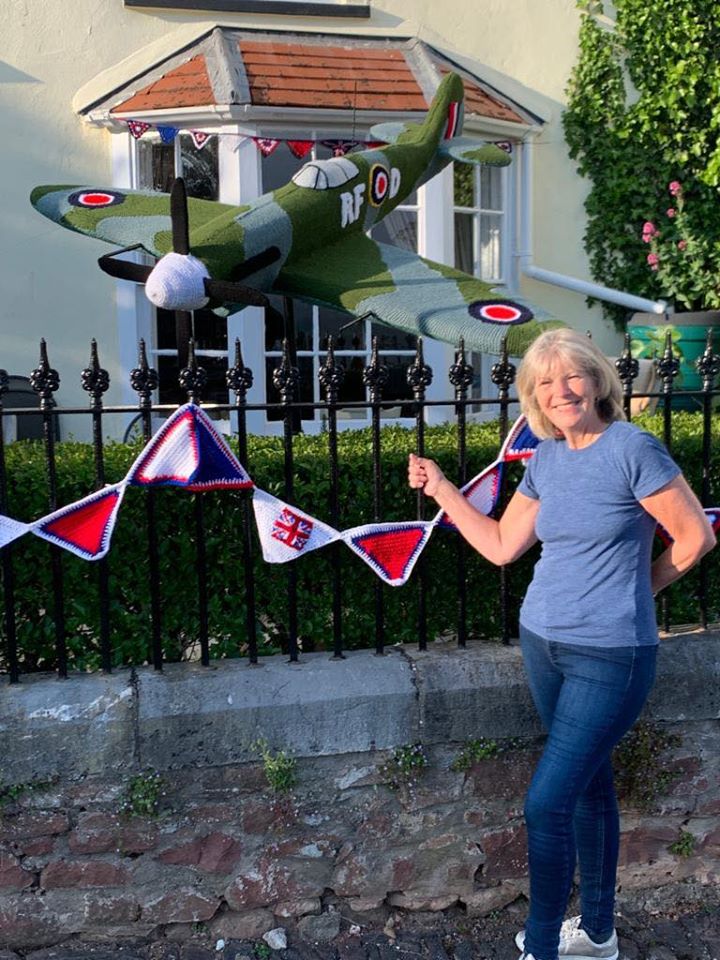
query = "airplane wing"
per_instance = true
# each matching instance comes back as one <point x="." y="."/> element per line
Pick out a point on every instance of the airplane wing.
<point x="408" y="292"/>
<point x="122" y="217"/>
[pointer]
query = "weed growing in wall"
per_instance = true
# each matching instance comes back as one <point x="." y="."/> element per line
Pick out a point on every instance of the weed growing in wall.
<point x="685" y="844"/>
<point x="405" y="766"/>
<point x="142" y="796"/>
<point x="642" y="773"/>
<point x="280" y="769"/>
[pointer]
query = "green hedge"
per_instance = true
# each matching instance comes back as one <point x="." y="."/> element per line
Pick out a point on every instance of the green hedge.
<point x="130" y="599"/>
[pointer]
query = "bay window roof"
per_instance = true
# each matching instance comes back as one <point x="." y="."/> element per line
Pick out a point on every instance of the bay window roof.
<point x="238" y="74"/>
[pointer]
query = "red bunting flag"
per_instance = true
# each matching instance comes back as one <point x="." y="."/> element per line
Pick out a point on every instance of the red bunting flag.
<point x="300" y="148"/>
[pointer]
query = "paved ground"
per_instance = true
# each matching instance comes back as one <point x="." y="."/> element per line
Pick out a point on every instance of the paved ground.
<point x="689" y="930"/>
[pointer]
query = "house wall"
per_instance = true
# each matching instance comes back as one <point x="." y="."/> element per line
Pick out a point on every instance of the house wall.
<point x="226" y="851"/>
<point x="50" y="284"/>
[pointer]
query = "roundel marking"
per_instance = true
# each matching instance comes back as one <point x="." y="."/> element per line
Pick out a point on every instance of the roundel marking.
<point x="96" y="199"/>
<point x="379" y="184"/>
<point x="499" y="311"/>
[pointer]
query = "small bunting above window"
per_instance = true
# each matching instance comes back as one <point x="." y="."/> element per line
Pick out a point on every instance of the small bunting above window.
<point x="300" y="148"/>
<point x="167" y="134"/>
<point x="137" y="128"/>
<point x="199" y="138"/>
<point x="266" y="145"/>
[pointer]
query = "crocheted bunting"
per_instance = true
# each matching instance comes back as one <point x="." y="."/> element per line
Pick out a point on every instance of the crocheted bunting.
<point x="713" y="515"/>
<point x="86" y="526"/>
<point x="187" y="451"/>
<point x="520" y="442"/>
<point x="300" y="148"/>
<point x="266" y="145"/>
<point x="199" y="138"/>
<point x="482" y="492"/>
<point x="286" y="532"/>
<point x="137" y="128"/>
<point x="11" y="529"/>
<point x="391" y="549"/>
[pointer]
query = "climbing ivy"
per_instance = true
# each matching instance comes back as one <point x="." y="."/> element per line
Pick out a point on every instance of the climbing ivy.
<point x="643" y="111"/>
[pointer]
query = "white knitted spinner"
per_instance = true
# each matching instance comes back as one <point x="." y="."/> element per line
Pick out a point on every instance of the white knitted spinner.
<point x="177" y="283"/>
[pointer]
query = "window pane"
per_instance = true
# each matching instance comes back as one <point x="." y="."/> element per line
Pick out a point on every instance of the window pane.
<point x="331" y="323"/>
<point x="389" y="338"/>
<point x="305" y="387"/>
<point x="464" y="181"/>
<point x="279" y="167"/>
<point x="464" y="243"/>
<point x="210" y="333"/>
<point x="199" y="168"/>
<point x="398" y="228"/>
<point x="490" y="225"/>
<point x="397" y="387"/>
<point x="156" y="165"/>
<point x="352" y="387"/>
<point x="491" y="192"/>
<point x="276" y="326"/>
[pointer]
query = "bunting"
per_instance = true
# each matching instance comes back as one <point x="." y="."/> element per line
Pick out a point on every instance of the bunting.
<point x="300" y="149"/>
<point x="286" y="532"/>
<point x="84" y="528"/>
<point x="187" y="451"/>
<point x="390" y="549"/>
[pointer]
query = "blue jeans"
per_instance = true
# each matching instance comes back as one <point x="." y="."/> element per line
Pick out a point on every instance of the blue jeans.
<point x="587" y="698"/>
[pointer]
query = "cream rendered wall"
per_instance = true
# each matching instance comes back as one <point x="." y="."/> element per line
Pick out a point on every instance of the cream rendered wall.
<point x="49" y="283"/>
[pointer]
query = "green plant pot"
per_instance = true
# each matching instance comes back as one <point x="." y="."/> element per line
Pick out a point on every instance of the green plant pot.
<point x="689" y="336"/>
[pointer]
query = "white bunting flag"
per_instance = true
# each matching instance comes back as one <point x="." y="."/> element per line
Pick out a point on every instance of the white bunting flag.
<point x="286" y="532"/>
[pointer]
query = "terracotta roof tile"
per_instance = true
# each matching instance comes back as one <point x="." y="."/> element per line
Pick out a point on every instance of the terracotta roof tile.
<point x="300" y="73"/>
<point x="294" y="74"/>
<point x="482" y="103"/>
<point x="185" y="86"/>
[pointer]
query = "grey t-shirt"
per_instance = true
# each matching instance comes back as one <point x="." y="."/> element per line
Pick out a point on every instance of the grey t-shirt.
<point x="591" y="584"/>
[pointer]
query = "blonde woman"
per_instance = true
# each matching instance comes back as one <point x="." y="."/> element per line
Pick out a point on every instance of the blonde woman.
<point x="592" y="495"/>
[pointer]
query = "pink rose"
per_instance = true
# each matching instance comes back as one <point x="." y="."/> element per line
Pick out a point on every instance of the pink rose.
<point x="670" y="212"/>
<point x="649" y="231"/>
<point x="675" y="188"/>
<point x="682" y="244"/>
<point x="653" y="260"/>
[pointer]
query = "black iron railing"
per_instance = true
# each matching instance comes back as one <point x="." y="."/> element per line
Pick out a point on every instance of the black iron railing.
<point x="192" y="379"/>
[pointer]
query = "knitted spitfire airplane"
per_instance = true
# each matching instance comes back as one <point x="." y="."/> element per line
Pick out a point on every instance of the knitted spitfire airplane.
<point x="309" y="239"/>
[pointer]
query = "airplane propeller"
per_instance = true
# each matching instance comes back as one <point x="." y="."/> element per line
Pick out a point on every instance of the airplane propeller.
<point x="217" y="291"/>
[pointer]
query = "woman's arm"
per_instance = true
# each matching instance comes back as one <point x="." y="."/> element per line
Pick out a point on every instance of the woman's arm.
<point x="678" y="510"/>
<point x="500" y="541"/>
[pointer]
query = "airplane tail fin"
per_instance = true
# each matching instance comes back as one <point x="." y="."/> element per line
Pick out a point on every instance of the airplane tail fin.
<point x="444" y="119"/>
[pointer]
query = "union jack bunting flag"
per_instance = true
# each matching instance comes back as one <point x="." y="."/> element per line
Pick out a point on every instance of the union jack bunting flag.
<point x="285" y="532"/>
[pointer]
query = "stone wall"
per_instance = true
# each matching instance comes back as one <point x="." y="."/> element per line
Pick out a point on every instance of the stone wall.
<point x="227" y="852"/>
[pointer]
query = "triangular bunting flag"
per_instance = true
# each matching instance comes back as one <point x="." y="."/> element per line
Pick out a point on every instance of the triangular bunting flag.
<point x="482" y="492"/>
<point x="85" y="527"/>
<point x="300" y="148"/>
<point x="167" y="134"/>
<point x="137" y="128"/>
<point x="266" y="145"/>
<point x="391" y="549"/>
<point x="188" y="452"/>
<point x="199" y="138"/>
<point x="713" y="515"/>
<point x="520" y="442"/>
<point x="11" y="529"/>
<point x="286" y="532"/>
<point x="340" y="147"/>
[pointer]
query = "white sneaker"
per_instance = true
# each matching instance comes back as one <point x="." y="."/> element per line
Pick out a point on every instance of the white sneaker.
<point x="575" y="944"/>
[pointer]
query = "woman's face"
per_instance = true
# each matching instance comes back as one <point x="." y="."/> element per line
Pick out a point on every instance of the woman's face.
<point x="567" y="395"/>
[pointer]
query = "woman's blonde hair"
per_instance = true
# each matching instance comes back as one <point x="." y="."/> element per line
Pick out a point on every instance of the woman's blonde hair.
<point x="580" y="352"/>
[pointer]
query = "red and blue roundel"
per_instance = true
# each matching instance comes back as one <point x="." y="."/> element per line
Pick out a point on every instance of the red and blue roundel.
<point x="379" y="184"/>
<point x="504" y="312"/>
<point x="96" y="199"/>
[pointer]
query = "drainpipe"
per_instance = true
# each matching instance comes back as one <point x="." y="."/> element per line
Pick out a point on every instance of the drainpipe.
<point x="585" y="287"/>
